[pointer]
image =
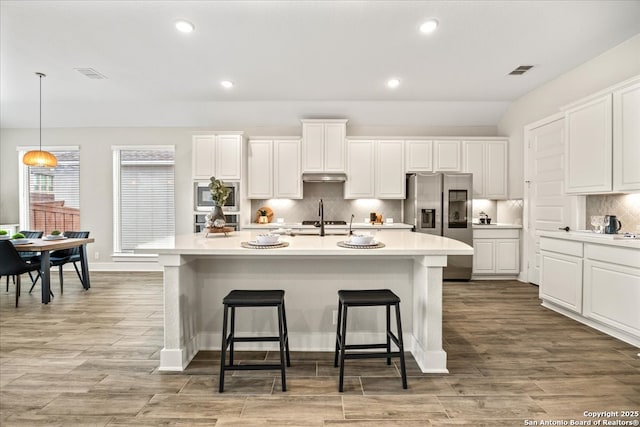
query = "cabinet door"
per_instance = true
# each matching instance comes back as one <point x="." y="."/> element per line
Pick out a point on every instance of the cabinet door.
<point x="561" y="280"/>
<point x="228" y="158"/>
<point x="473" y="162"/>
<point x="260" y="173"/>
<point x="334" y="147"/>
<point x="389" y="171"/>
<point x="360" y="176"/>
<point x="286" y="170"/>
<point x="203" y="156"/>
<point x="611" y="295"/>
<point x="507" y="256"/>
<point x="483" y="256"/>
<point x="313" y="147"/>
<point x="495" y="169"/>
<point x="589" y="147"/>
<point x="419" y="156"/>
<point x="626" y="138"/>
<point x="446" y="156"/>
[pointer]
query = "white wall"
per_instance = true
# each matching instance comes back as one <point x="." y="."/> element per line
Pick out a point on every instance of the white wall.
<point x="96" y="188"/>
<point x="613" y="66"/>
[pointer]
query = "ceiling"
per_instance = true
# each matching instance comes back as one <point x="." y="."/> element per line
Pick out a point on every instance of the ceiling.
<point x="291" y="59"/>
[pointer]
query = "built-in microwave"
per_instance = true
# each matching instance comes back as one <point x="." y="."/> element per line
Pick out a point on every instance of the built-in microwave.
<point x="203" y="201"/>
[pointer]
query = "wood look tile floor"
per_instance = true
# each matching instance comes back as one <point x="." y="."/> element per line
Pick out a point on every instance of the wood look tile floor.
<point x="90" y="358"/>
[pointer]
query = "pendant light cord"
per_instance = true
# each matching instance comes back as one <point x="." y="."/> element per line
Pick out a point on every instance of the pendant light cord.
<point x="40" y="110"/>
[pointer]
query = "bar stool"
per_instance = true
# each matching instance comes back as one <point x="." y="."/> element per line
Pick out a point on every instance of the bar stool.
<point x="245" y="298"/>
<point x="368" y="298"/>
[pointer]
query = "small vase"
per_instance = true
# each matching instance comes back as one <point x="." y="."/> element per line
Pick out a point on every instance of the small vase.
<point x="217" y="216"/>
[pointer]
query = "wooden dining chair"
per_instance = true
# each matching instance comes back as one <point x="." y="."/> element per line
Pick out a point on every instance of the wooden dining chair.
<point x="12" y="264"/>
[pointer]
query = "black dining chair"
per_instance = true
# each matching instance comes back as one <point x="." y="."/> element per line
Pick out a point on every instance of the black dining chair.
<point x="64" y="256"/>
<point x="12" y="264"/>
<point x="28" y="256"/>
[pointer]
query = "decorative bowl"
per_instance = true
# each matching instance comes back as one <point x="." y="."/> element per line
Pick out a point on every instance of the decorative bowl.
<point x="267" y="239"/>
<point x="361" y="239"/>
<point x="19" y="241"/>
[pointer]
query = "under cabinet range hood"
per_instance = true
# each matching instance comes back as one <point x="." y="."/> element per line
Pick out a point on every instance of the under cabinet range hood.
<point x="324" y="177"/>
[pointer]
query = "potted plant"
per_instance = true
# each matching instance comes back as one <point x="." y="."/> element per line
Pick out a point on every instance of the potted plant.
<point x="4" y="235"/>
<point x="219" y="194"/>
<point x="263" y="218"/>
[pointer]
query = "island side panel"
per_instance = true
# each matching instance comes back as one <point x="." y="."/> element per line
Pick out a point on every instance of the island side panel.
<point x="427" y="314"/>
<point x="180" y="313"/>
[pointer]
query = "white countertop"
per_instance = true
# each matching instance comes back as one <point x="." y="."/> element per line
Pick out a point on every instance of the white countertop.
<point x="355" y="226"/>
<point x="590" y="237"/>
<point x="397" y="243"/>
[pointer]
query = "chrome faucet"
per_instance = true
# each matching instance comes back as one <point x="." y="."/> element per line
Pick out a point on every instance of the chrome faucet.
<point x="350" y="224"/>
<point x="321" y="213"/>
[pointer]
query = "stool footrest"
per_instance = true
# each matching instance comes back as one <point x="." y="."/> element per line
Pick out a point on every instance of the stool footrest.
<point x="364" y="346"/>
<point x="371" y="355"/>
<point x="254" y="339"/>
<point x="255" y="367"/>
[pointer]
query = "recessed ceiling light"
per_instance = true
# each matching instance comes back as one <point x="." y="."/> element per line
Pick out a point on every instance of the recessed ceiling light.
<point x="226" y="84"/>
<point x="184" y="26"/>
<point x="393" y="83"/>
<point x="429" y="26"/>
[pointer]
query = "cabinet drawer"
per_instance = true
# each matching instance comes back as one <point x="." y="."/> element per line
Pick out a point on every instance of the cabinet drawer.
<point x="496" y="233"/>
<point x="613" y="254"/>
<point x="561" y="246"/>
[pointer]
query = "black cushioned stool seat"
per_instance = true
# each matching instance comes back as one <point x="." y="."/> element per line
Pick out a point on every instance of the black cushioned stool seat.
<point x="252" y="298"/>
<point x="368" y="298"/>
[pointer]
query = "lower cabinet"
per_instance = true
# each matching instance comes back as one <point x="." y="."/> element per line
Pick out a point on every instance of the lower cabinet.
<point x="596" y="284"/>
<point x="496" y="252"/>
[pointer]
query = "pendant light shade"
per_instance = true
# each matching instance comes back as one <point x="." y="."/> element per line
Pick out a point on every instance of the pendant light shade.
<point x="38" y="157"/>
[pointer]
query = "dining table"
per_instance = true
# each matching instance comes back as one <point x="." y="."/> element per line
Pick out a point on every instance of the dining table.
<point x="44" y="247"/>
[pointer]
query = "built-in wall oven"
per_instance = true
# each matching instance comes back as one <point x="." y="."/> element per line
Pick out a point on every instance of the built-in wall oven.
<point x="203" y="201"/>
<point x="200" y="221"/>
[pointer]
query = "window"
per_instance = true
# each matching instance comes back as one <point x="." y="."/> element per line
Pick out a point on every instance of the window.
<point x="143" y="195"/>
<point x="50" y="198"/>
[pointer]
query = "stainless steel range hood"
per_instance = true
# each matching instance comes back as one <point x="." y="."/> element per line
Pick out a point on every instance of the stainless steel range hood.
<point x="324" y="177"/>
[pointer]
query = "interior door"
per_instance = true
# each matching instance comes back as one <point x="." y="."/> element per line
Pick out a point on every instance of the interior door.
<point x="549" y="208"/>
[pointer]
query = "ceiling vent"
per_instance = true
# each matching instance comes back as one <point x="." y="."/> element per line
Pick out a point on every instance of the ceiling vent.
<point x="521" y="70"/>
<point x="91" y="73"/>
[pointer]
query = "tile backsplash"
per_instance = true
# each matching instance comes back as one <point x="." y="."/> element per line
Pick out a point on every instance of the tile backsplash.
<point x="335" y="206"/>
<point x="625" y="206"/>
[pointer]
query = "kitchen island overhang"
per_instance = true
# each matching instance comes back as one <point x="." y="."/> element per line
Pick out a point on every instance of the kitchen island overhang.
<point x="199" y="271"/>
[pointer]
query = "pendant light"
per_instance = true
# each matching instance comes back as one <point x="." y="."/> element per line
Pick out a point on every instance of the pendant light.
<point x="38" y="157"/>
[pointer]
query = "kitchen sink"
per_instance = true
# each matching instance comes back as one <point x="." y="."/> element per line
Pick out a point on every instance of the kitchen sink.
<point x="316" y="232"/>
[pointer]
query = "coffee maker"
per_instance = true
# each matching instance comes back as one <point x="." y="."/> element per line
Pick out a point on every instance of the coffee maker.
<point x="611" y="224"/>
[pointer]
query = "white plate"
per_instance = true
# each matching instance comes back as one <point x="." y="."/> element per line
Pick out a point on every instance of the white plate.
<point x="255" y="243"/>
<point x="20" y="241"/>
<point x="373" y="243"/>
<point x="54" y="238"/>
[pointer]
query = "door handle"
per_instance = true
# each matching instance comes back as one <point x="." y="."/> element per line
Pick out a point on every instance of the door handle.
<point x="564" y="228"/>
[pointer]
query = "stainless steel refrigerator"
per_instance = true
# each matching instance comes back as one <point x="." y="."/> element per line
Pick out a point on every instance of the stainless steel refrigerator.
<point x="441" y="204"/>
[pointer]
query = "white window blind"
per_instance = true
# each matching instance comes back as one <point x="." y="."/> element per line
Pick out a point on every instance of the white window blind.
<point x="146" y="196"/>
<point x="53" y="194"/>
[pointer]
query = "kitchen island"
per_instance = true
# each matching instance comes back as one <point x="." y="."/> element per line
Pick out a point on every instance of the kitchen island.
<point x="199" y="271"/>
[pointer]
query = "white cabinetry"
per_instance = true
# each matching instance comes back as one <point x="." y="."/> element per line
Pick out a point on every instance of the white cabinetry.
<point x="274" y="169"/>
<point x="217" y="155"/>
<point x="323" y="147"/>
<point x="487" y="161"/>
<point x="446" y="156"/>
<point x="375" y="169"/>
<point x="602" y="147"/>
<point x="419" y="156"/>
<point x="496" y="252"/>
<point x="612" y="287"/>
<point x="589" y="146"/>
<point x="561" y="273"/>
<point x="626" y="138"/>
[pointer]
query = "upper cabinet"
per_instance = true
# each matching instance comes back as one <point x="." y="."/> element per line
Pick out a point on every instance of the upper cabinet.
<point x="217" y="155"/>
<point x="602" y="141"/>
<point x="323" y="145"/>
<point x="419" y="155"/>
<point x="375" y="169"/>
<point x="626" y="138"/>
<point x="487" y="161"/>
<point x="446" y="156"/>
<point x="274" y="169"/>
